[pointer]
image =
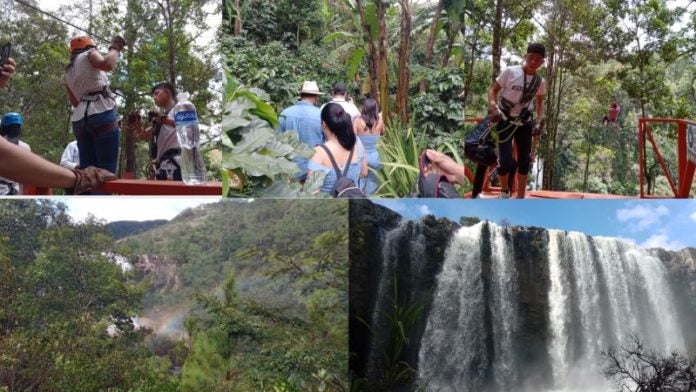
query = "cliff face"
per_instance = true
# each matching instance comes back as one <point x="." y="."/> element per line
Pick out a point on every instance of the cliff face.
<point x="682" y="276"/>
<point x="411" y="272"/>
<point x="162" y="271"/>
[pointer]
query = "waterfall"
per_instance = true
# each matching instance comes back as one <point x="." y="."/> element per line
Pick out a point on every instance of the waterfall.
<point x="456" y="344"/>
<point x="402" y="251"/>
<point x="453" y="345"/>
<point x="595" y="293"/>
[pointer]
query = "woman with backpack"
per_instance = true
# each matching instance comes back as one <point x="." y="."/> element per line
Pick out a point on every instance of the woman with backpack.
<point x="341" y="152"/>
<point x="369" y="128"/>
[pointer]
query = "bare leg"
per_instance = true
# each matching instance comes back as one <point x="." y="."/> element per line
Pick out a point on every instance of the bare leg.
<point x="521" y="185"/>
<point x="504" y="182"/>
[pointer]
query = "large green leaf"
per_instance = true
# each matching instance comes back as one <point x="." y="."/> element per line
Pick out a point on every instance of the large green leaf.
<point x="337" y="35"/>
<point x="257" y="165"/>
<point x="254" y="138"/>
<point x="354" y="61"/>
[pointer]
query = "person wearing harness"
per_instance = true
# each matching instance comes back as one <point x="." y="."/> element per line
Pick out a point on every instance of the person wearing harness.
<point x="11" y="130"/>
<point x="519" y="87"/>
<point x="612" y="116"/>
<point x="94" y="118"/>
<point x="166" y="149"/>
<point x="23" y="166"/>
<point x="479" y="147"/>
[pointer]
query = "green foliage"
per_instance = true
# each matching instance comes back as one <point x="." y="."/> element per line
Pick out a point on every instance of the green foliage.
<point x="261" y="345"/>
<point x="257" y="158"/>
<point x="399" y="150"/>
<point x="40" y="49"/>
<point x="439" y="110"/>
<point x="63" y="294"/>
<point x="393" y="371"/>
<point x="278" y="70"/>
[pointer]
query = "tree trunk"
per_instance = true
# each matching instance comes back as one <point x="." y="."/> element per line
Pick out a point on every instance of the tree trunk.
<point x="556" y="50"/>
<point x="373" y="56"/>
<point x="383" y="70"/>
<point x="404" y="72"/>
<point x="587" y="162"/>
<point x="130" y="95"/>
<point x="497" y="38"/>
<point x="431" y="41"/>
<point x="470" y="67"/>
<point x="237" y="17"/>
<point x="168" y="18"/>
<point x="448" y="49"/>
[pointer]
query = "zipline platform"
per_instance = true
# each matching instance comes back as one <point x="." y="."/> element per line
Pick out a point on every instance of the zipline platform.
<point x="541" y="194"/>
<point x="146" y="188"/>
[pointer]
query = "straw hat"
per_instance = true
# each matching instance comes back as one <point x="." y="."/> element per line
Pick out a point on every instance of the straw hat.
<point x="310" y="87"/>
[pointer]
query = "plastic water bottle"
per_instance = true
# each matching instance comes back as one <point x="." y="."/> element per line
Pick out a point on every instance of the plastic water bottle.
<point x="189" y="135"/>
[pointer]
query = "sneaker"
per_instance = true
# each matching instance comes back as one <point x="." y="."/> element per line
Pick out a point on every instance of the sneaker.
<point x="504" y="194"/>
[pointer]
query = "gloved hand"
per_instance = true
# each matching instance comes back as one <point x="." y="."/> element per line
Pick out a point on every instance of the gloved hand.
<point x="494" y="114"/>
<point x="89" y="178"/>
<point x="538" y="127"/>
<point x="117" y="43"/>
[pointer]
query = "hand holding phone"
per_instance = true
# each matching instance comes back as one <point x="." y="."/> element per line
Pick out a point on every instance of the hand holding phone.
<point x="5" y="53"/>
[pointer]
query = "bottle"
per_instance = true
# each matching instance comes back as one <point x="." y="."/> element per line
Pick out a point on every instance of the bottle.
<point x="187" y="131"/>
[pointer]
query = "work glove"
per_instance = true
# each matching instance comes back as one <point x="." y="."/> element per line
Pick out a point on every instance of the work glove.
<point x="494" y="114"/>
<point x="89" y="178"/>
<point x="538" y="127"/>
<point x="117" y="43"/>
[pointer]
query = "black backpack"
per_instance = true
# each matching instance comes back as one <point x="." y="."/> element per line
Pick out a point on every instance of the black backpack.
<point x="344" y="188"/>
<point x="434" y="185"/>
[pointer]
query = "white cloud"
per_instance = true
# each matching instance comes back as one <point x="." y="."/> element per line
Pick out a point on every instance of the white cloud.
<point x="425" y="210"/>
<point x="131" y="208"/>
<point x="641" y="216"/>
<point x="662" y="240"/>
<point x="693" y="216"/>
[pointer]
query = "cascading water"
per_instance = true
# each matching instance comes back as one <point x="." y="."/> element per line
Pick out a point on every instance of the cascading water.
<point x="596" y="292"/>
<point x="456" y="345"/>
<point x="402" y="246"/>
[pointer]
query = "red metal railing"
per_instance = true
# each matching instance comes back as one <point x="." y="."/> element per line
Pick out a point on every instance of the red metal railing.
<point x="682" y="186"/>
<point x="145" y="188"/>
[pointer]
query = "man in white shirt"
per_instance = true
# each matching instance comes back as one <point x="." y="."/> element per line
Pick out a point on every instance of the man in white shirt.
<point x="168" y="154"/>
<point x="519" y="87"/>
<point x="339" y="96"/>
<point x="71" y="156"/>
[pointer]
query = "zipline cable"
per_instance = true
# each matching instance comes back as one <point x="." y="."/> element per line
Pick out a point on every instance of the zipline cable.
<point x="92" y="34"/>
<point x="61" y="20"/>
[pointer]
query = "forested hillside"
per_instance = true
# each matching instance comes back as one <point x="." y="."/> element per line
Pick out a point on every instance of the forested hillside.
<point x="227" y="296"/>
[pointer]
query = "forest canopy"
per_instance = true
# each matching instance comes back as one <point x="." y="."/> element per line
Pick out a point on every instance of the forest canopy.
<point x="430" y="64"/>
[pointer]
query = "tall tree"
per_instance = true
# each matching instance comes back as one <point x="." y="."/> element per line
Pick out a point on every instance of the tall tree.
<point x="404" y="53"/>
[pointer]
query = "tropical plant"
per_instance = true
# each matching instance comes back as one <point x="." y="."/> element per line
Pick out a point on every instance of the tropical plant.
<point x="258" y="160"/>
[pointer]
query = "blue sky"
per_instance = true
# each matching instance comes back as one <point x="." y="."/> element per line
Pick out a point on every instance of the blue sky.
<point x="669" y="224"/>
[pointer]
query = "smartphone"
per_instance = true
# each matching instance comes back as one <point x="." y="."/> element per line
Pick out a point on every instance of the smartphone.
<point x="5" y="53"/>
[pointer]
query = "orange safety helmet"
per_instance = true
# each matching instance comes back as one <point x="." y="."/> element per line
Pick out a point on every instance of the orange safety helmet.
<point x="81" y="42"/>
